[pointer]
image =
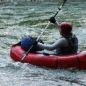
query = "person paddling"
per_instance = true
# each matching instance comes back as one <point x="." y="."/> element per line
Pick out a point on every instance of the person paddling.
<point x="66" y="44"/>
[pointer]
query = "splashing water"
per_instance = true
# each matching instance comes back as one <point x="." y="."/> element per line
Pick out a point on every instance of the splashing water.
<point x="18" y="20"/>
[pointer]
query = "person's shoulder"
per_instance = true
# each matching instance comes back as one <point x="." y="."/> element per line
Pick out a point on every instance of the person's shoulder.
<point x="74" y="37"/>
<point x="62" y="41"/>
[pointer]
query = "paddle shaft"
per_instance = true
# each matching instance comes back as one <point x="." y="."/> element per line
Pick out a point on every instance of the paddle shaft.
<point x="59" y="8"/>
<point x="25" y="54"/>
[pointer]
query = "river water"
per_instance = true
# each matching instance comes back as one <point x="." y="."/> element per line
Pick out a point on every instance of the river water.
<point x="17" y="20"/>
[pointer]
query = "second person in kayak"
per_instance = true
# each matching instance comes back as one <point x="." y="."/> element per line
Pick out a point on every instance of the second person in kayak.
<point x="66" y="44"/>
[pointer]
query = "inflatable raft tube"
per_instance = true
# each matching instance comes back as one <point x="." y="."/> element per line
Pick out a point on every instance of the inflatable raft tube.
<point x="51" y="61"/>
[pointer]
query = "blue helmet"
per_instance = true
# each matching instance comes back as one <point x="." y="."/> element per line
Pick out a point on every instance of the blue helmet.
<point x="26" y="42"/>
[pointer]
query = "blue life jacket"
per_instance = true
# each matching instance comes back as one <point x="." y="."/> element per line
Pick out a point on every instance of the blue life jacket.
<point x="26" y="42"/>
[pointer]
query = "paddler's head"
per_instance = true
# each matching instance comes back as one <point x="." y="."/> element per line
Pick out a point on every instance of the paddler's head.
<point x="65" y="28"/>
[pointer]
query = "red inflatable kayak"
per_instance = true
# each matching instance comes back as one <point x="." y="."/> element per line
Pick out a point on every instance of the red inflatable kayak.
<point x="51" y="61"/>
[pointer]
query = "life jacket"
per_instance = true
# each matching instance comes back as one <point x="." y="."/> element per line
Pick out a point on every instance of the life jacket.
<point x="71" y="48"/>
<point x="28" y="41"/>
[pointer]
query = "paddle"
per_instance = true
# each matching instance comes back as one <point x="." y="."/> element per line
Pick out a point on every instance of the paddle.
<point x="60" y="7"/>
<point x="26" y="53"/>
